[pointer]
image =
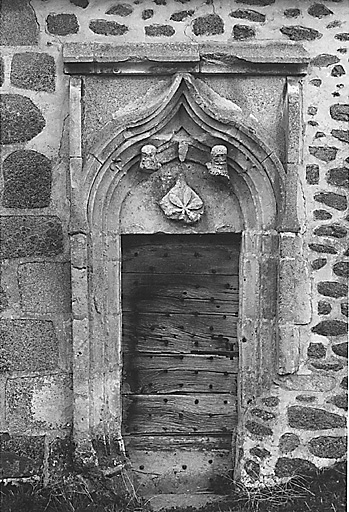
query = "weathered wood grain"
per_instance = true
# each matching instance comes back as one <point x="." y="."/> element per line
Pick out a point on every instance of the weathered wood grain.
<point x="179" y="381"/>
<point x="181" y="333"/>
<point x="197" y="362"/>
<point x="182" y="254"/>
<point x="180" y="293"/>
<point x="181" y="471"/>
<point x="172" y="443"/>
<point x="179" y="413"/>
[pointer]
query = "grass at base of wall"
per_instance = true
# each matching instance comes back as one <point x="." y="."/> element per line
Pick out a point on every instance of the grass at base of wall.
<point x="323" y="492"/>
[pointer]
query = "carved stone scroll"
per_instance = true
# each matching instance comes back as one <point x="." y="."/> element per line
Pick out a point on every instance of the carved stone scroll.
<point x="182" y="203"/>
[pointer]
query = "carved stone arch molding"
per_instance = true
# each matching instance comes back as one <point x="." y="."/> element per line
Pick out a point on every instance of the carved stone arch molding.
<point x="110" y="196"/>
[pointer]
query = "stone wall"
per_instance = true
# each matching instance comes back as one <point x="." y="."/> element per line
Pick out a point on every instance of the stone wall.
<point x="301" y="422"/>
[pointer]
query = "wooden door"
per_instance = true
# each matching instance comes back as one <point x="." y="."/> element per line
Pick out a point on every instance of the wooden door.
<point x="180" y="307"/>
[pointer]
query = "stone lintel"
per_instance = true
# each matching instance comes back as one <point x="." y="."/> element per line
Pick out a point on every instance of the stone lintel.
<point x="269" y="57"/>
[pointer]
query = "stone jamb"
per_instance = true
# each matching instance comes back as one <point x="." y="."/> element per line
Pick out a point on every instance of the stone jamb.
<point x="97" y="367"/>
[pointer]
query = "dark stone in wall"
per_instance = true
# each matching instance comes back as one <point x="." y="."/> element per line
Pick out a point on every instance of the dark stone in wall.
<point x="319" y="263"/>
<point x="248" y="14"/>
<point x="312" y="174"/>
<point x="324" y="308"/>
<point x="312" y="111"/>
<point x="258" y="430"/>
<point x="311" y="418"/>
<point x="341" y="349"/>
<point x="338" y="70"/>
<point x="120" y="10"/>
<point x="322" y="215"/>
<point x="263" y="415"/>
<point x="340" y="401"/>
<point x="305" y="398"/>
<point x="331" y="199"/>
<point x="292" y="13"/>
<point x="271" y="401"/>
<point x="261" y="453"/>
<point x="285" y="467"/>
<point x="80" y="3"/>
<point x="332" y="289"/>
<point x="108" y="28"/>
<point x="319" y="11"/>
<point x="342" y="135"/>
<point x="18" y="25"/>
<point x="328" y="447"/>
<point x="29" y="345"/>
<point x="316" y="350"/>
<point x="241" y="32"/>
<point x="288" y="443"/>
<point x="316" y="82"/>
<point x="324" y="153"/>
<point x="341" y="268"/>
<point x="2" y="70"/>
<point x="21" y="456"/>
<point x="329" y="366"/>
<point x="35" y="71"/>
<point x="344" y="308"/>
<point x="27" y="180"/>
<point x="62" y="24"/>
<point x="299" y="33"/>
<point x="318" y="135"/>
<point x="322" y="249"/>
<point x="323" y="60"/>
<point x="22" y="236"/>
<point x="334" y="24"/>
<point x="338" y="177"/>
<point x="159" y="30"/>
<point x="344" y="36"/>
<point x="333" y="230"/>
<point x="262" y="3"/>
<point x="147" y="13"/>
<point x="20" y="119"/>
<point x="181" y="15"/>
<point x="252" y="468"/>
<point x="330" y="328"/>
<point x="209" y="25"/>
<point x="160" y="2"/>
<point x="344" y="383"/>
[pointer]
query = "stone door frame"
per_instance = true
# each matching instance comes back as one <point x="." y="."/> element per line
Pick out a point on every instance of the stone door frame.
<point x="272" y="267"/>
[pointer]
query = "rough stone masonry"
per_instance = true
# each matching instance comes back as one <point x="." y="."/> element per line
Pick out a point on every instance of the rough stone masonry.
<point x="299" y="424"/>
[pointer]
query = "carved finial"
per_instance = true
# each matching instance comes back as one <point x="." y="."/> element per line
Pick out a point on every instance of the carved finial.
<point x="149" y="161"/>
<point x="182" y="203"/>
<point x="218" y="163"/>
<point x="182" y="150"/>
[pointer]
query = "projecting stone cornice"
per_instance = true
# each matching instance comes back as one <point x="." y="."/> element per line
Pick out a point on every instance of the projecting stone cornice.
<point x="264" y="58"/>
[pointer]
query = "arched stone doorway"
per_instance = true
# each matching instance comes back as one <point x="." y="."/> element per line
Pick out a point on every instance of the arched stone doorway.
<point x="114" y="198"/>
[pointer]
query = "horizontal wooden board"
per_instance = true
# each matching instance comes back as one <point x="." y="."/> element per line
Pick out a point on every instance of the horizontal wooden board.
<point x="182" y="333"/>
<point x="197" y="362"/>
<point x="181" y="471"/>
<point x="178" y="381"/>
<point x="183" y="254"/>
<point x="178" y="442"/>
<point x="180" y="293"/>
<point x="179" y="413"/>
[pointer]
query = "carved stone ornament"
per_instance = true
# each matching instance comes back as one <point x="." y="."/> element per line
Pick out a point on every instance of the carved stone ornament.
<point x="218" y="164"/>
<point x="182" y="203"/>
<point x="149" y="161"/>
